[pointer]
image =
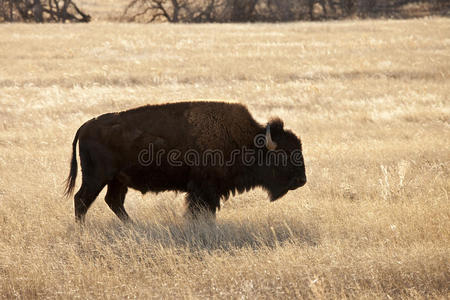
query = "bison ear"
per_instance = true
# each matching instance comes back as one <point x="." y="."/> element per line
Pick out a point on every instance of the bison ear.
<point x="276" y="124"/>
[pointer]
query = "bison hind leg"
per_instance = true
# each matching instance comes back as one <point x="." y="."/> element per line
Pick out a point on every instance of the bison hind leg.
<point x="115" y="198"/>
<point x="85" y="197"/>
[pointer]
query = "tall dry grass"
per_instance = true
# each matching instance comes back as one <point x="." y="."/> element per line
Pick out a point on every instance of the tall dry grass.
<point x="369" y="99"/>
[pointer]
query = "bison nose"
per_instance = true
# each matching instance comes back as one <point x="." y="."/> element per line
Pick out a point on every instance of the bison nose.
<point x="298" y="182"/>
<point x="301" y="181"/>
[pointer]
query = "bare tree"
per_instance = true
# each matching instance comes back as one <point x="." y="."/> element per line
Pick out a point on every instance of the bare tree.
<point x="243" y="10"/>
<point x="175" y="11"/>
<point x="41" y="11"/>
<point x="268" y="10"/>
<point x="165" y="10"/>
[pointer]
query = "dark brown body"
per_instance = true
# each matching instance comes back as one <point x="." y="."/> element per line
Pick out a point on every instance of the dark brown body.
<point x="119" y="150"/>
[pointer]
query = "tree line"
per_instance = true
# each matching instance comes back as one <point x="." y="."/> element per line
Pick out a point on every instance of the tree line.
<point x="202" y="11"/>
<point x="41" y="11"/>
<point x="198" y="11"/>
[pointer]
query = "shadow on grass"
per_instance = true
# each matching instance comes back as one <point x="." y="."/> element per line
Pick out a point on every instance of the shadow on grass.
<point x="195" y="236"/>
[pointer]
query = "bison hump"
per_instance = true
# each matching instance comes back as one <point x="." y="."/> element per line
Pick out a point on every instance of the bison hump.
<point x="221" y="126"/>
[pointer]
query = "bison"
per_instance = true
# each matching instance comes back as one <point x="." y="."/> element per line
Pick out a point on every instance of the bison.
<point x="207" y="149"/>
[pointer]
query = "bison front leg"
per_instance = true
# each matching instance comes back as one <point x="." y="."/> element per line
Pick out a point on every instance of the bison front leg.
<point x="199" y="206"/>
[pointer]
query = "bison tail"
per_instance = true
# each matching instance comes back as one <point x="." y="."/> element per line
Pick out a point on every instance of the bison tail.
<point x="70" y="181"/>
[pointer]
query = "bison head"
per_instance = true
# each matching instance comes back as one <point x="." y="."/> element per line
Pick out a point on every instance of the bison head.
<point x="283" y="167"/>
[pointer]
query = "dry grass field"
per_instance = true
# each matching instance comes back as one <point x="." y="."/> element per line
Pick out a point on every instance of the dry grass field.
<point x="370" y="100"/>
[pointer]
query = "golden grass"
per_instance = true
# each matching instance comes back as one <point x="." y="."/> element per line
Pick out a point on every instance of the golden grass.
<point x="370" y="100"/>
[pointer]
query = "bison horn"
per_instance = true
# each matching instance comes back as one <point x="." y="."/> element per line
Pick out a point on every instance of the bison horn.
<point x="271" y="145"/>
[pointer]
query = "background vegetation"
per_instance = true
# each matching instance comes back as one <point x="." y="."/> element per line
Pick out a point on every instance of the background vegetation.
<point x="201" y="11"/>
<point x="41" y="11"/>
<point x="277" y="10"/>
<point x="369" y="99"/>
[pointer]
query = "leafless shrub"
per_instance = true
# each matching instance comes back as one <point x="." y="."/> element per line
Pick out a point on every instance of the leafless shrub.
<point x="178" y="11"/>
<point x="41" y="11"/>
<point x="196" y="11"/>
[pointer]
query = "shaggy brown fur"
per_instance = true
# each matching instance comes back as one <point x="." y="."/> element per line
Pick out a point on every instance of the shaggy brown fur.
<point x="216" y="124"/>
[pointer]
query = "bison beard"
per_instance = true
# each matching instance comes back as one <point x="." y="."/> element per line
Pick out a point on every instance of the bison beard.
<point x="110" y="146"/>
